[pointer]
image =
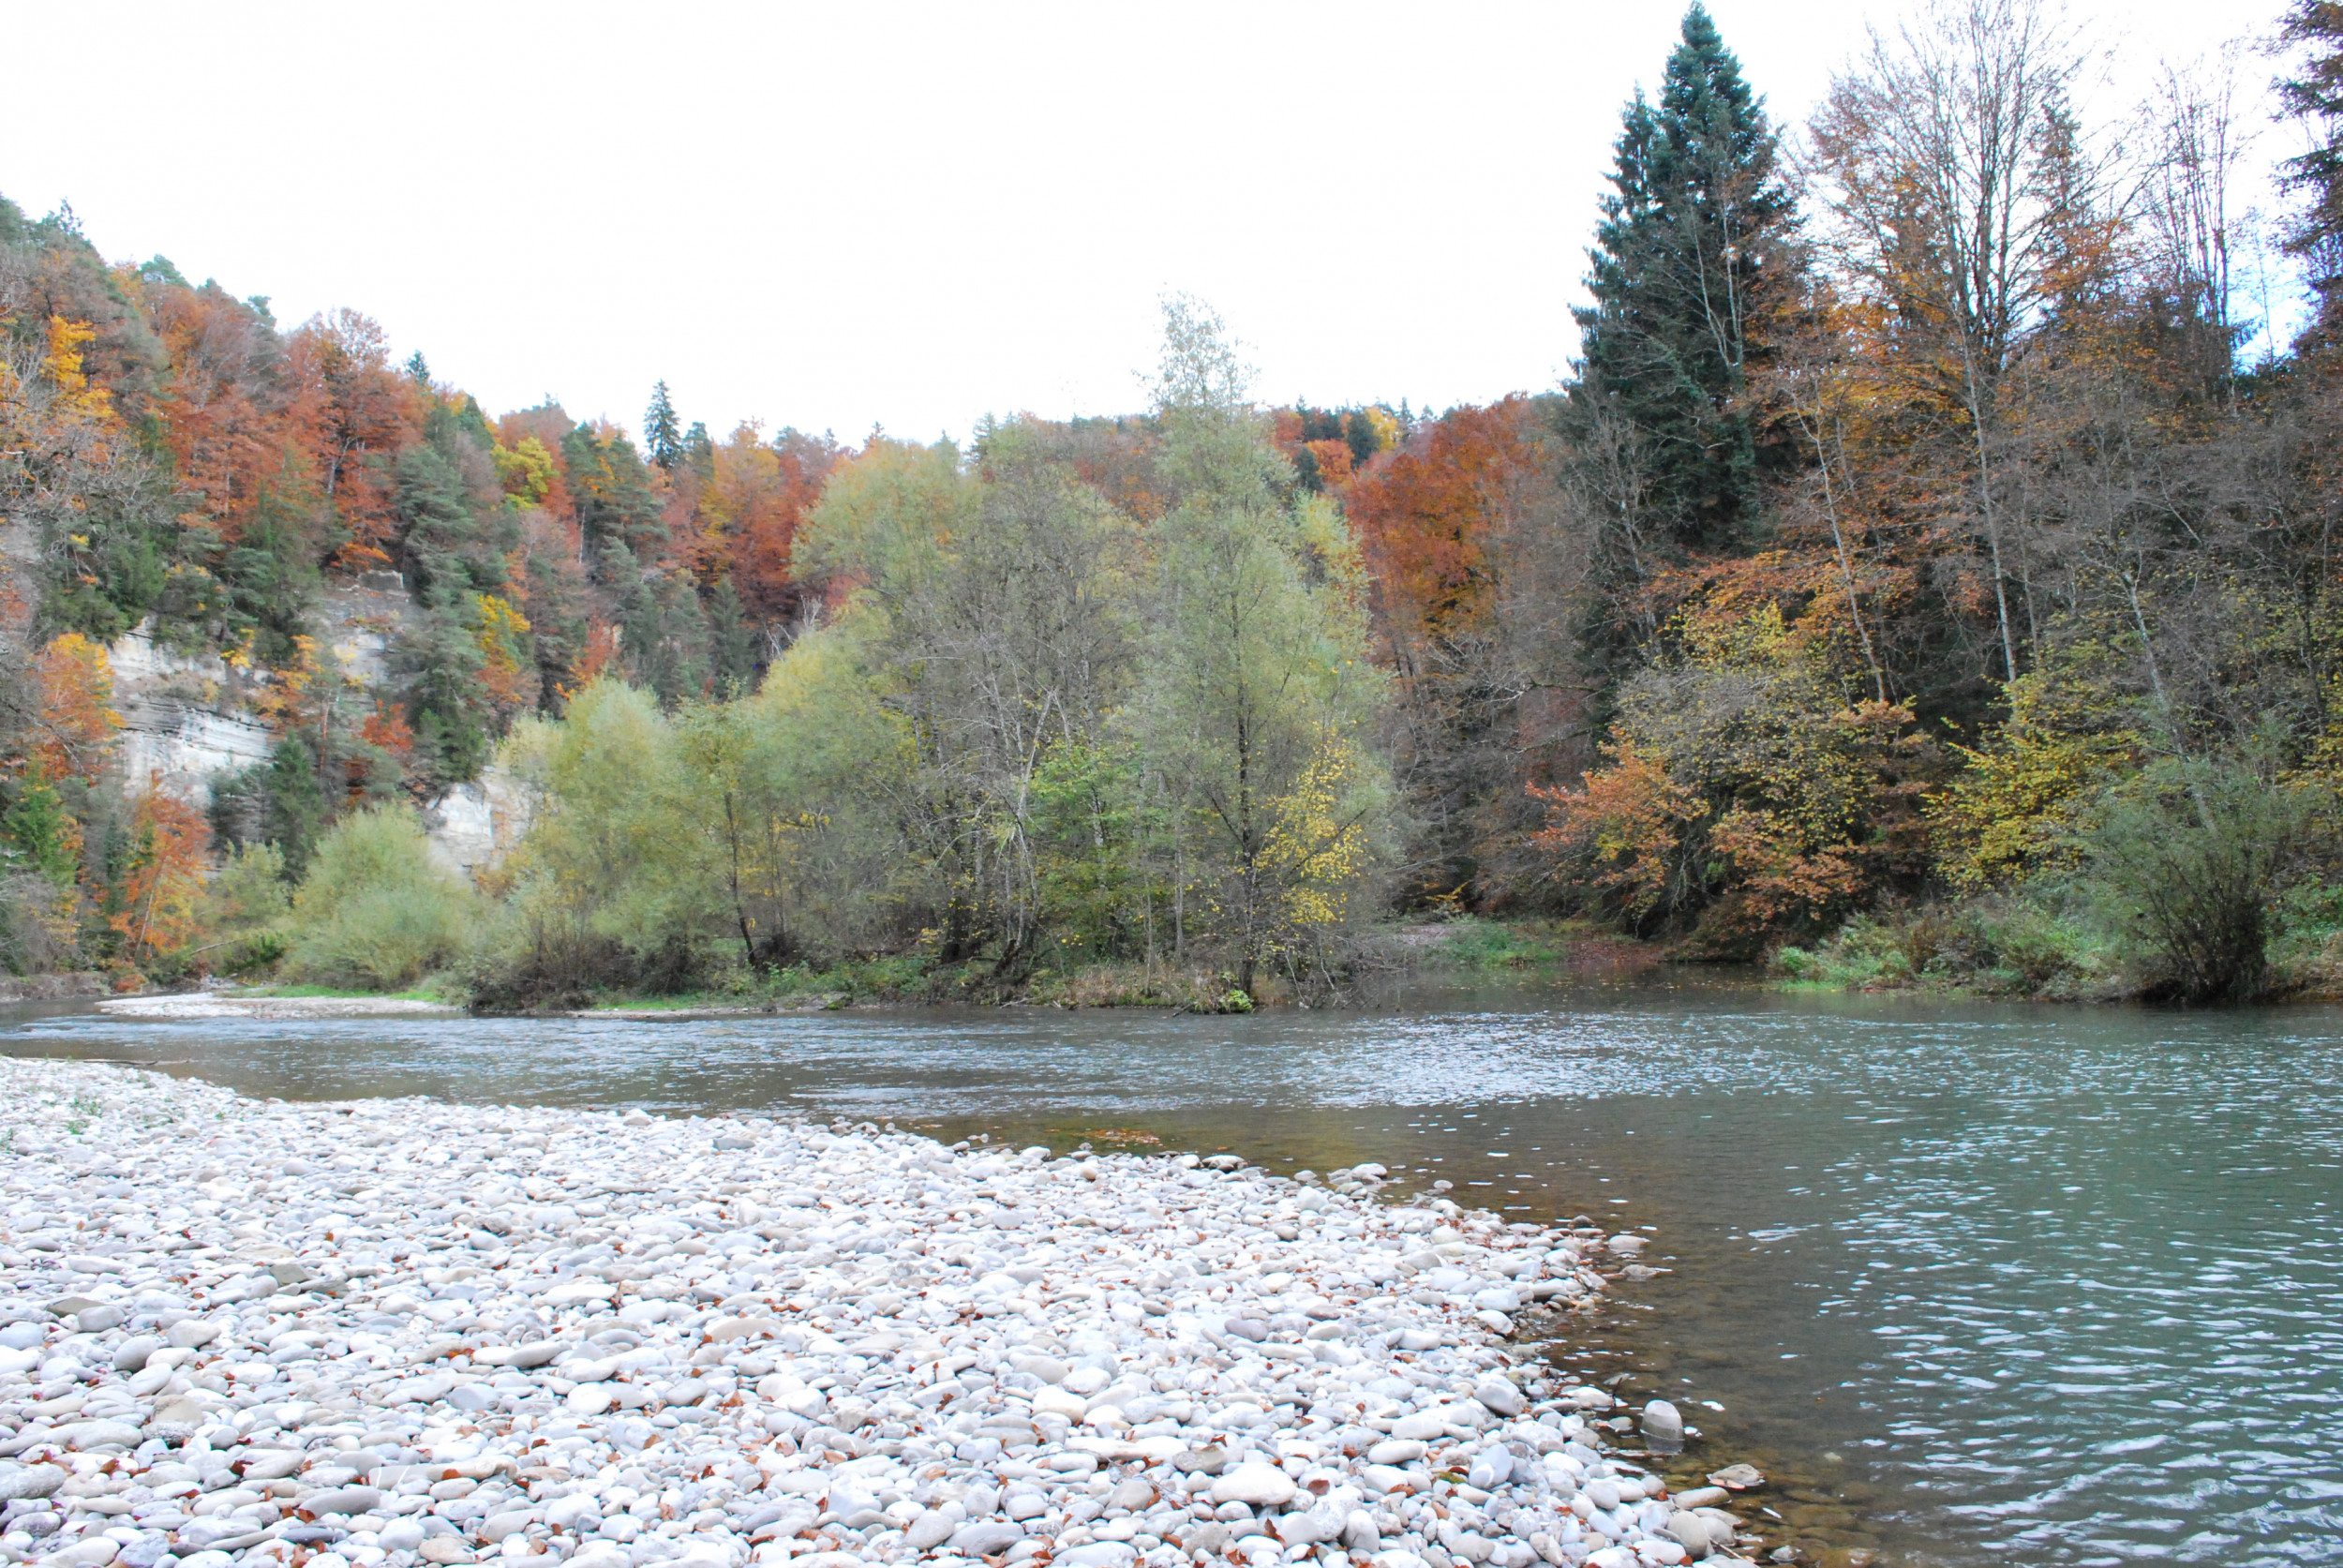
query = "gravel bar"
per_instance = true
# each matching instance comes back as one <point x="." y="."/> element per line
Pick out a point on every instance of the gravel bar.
<point x="398" y="1332"/>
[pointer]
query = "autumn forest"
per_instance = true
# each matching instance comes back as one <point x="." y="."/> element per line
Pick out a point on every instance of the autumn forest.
<point x="1927" y="575"/>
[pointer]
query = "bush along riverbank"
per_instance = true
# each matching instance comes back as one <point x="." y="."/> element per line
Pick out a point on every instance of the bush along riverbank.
<point x="2061" y="944"/>
<point x="381" y="1334"/>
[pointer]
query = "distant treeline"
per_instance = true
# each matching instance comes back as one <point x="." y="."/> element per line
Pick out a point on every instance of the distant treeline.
<point x="1931" y="556"/>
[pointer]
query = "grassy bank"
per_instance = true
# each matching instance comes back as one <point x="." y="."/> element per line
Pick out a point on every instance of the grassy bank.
<point x="445" y="994"/>
<point x="1475" y="945"/>
<point x="2029" y="948"/>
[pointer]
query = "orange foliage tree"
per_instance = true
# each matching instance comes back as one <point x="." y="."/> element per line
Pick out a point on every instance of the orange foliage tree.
<point x="225" y="419"/>
<point x="159" y="900"/>
<point x="355" y="413"/>
<point x="748" y="510"/>
<point x="1750" y="795"/>
<point x="74" y="733"/>
<point x="1427" y="515"/>
<point x="1480" y="567"/>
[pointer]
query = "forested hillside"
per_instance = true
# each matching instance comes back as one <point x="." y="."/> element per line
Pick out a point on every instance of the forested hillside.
<point x="1928" y="572"/>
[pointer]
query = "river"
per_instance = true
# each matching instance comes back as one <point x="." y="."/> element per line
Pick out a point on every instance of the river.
<point x="1973" y="1283"/>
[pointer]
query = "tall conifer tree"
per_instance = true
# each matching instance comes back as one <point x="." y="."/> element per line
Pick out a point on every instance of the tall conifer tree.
<point x="2313" y="93"/>
<point x="662" y="433"/>
<point x="1680" y="259"/>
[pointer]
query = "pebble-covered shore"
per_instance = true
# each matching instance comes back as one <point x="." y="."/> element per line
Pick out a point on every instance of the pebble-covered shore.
<point x="401" y="1332"/>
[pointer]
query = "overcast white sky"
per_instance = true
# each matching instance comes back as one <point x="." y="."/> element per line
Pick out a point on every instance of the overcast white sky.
<point x="837" y="215"/>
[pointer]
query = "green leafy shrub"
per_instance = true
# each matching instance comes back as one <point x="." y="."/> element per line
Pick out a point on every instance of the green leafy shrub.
<point x="378" y="913"/>
<point x="1474" y="943"/>
<point x="245" y="905"/>
<point x="2188" y="866"/>
<point x="2006" y="947"/>
<point x="2015" y="946"/>
<point x="1865" y="954"/>
<point x="554" y="965"/>
<point x="1793" y="962"/>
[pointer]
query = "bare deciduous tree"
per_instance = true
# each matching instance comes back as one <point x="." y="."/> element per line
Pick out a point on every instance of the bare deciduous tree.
<point x="1961" y="198"/>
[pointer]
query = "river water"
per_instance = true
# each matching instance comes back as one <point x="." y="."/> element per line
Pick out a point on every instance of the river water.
<point x="1974" y="1284"/>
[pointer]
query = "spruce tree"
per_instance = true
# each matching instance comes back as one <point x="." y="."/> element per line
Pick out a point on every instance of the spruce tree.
<point x="38" y="833"/>
<point x="1681" y="259"/>
<point x="732" y="643"/>
<point x="2313" y="93"/>
<point x="611" y="491"/>
<point x="295" y="812"/>
<point x="662" y="433"/>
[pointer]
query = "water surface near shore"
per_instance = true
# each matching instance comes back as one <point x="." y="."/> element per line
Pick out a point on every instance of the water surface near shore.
<point x="1981" y="1283"/>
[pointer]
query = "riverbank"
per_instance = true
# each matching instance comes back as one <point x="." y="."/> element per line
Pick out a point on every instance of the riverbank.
<point x="1467" y="947"/>
<point x="388" y="1333"/>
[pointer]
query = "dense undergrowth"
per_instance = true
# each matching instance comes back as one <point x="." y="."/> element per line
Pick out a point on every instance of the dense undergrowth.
<point x="2042" y="947"/>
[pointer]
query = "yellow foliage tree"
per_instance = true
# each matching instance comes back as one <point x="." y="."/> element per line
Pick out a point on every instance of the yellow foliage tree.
<point x="507" y="670"/>
<point x="2009" y="811"/>
<point x="62" y="365"/>
<point x="526" y="471"/>
<point x="1318" y="848"/>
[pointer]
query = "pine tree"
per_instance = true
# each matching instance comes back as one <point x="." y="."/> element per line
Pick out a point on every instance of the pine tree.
<point x="41" y="833"/>
<point x="662" y="433"/>
<point x="2314" y="95"/>
<point x="611" y="491"/>
<point x="1680" y="259"/>
<point x="1307" y="474"/>
<point x="662" y="633"/>
<point x="732" y="643"/>
<point x="295" y="811"/>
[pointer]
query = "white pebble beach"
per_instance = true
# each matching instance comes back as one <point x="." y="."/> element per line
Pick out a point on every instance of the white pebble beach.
<point x="380" y="1333"/>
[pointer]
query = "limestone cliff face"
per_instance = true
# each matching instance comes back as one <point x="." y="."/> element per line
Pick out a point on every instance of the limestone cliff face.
<point x="474" y="826"/>
<point x="187" y="720"/>
<point x="184" y="719"/>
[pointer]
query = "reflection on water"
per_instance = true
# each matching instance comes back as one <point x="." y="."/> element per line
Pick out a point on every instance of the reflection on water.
<point x="2008" y="1284"/>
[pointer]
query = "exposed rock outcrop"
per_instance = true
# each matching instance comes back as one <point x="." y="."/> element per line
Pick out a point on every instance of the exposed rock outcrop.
<point x="190" y="718"/>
